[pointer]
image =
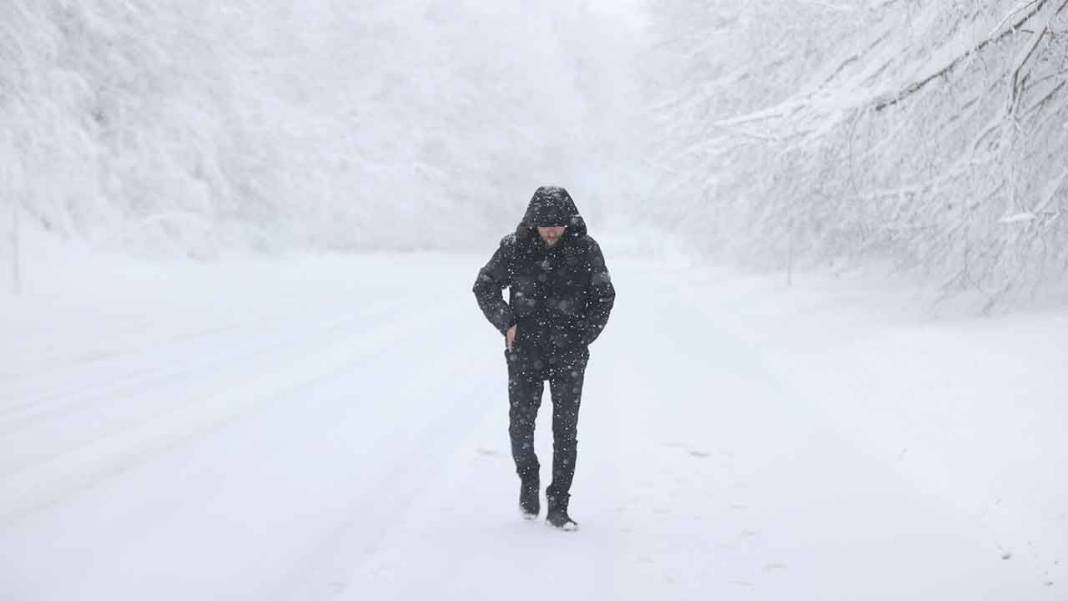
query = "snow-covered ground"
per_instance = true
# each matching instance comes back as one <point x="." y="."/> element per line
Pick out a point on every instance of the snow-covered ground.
<point x="334" y="427"/>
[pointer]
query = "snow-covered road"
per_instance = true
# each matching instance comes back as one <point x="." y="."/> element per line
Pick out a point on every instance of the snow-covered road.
<point x="335" y="428"/>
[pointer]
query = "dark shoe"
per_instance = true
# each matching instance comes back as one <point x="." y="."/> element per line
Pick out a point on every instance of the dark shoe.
<point x="558" y="518"/>
<point x="529" y="499"/>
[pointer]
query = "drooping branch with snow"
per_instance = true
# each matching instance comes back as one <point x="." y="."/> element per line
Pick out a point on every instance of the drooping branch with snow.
<point x="933" y="134"/>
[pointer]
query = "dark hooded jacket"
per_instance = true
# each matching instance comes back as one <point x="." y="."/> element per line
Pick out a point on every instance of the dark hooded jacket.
<point x="560" y="297"/>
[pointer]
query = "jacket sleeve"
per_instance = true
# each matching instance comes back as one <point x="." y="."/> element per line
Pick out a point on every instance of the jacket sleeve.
<point x="493" y="278"/>
<point x="602" y="295"/>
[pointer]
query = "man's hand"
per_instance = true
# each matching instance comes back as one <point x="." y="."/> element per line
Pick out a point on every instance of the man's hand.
<point x="509" y="337"/>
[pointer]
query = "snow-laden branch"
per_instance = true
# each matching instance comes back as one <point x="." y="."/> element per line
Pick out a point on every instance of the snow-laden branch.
<point x="1002" y="33"/>
<point x="963" y="181"/>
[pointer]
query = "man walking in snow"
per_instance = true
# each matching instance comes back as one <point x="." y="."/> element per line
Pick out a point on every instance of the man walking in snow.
<point x="560" y="296"/>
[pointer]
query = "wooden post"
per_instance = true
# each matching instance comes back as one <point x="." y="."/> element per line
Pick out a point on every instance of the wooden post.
<point x="16" y="275"/>
<point x="790" y="253"/>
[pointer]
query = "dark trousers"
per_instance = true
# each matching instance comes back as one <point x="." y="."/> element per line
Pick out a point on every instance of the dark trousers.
<point x="527" y="372"/>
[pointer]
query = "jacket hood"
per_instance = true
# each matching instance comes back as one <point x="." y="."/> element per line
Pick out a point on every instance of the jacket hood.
<point x="551" y="205"/>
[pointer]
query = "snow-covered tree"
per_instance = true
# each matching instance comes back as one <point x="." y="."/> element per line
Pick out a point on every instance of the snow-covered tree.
<point x="932" y="133"/>
<point x="192" y="126"/>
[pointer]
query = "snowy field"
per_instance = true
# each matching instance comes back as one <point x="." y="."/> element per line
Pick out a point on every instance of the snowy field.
<point x="336" y="428"/>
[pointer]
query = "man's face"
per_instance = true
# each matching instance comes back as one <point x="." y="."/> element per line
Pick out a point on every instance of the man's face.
<point x="551" y="235"/>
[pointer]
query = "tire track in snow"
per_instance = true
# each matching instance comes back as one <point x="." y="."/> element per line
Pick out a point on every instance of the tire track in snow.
<point x="246" y="349"/>
<point x="378" y="508"/>
<point x="32" y="488"/>
<point x="97" y="412"/>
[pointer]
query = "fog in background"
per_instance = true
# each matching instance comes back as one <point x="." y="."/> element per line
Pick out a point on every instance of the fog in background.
<point x="191" y="127"/>
<point x="927" y="136"/>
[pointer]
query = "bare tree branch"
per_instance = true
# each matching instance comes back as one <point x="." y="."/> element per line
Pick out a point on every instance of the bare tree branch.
<point x="953" y="64"/>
